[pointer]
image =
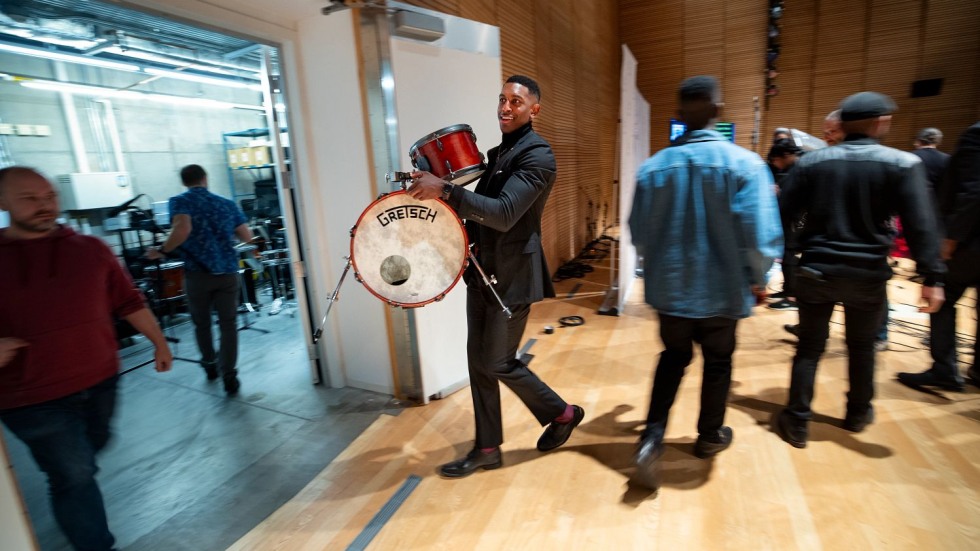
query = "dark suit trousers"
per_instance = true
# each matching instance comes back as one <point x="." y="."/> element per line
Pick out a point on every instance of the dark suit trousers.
<point x="717" y="339"/>
<point x="491" y="348"/>
<point x="964" y="272"/>
<point x="864" y="303"/>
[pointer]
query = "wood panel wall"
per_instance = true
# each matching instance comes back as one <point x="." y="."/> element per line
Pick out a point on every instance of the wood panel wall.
<point x="830" y="49"/>
<point x="571" y="47"/>
<point x="675" y="39"/>
<point x="833" y="48"/>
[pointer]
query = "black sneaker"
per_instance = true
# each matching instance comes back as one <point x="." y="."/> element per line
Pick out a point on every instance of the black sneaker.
<point x="778" y="296"/>
<point x="785" y="304"/>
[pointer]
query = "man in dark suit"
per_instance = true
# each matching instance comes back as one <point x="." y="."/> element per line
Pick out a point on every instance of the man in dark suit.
<point x="504" y="221"/>
<point x="926" y="148"/>
<point x="960" y="206"/>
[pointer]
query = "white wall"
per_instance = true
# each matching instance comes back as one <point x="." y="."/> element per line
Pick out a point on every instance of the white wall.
<point x="634" y="147"/>
<point x="438" y="85"/>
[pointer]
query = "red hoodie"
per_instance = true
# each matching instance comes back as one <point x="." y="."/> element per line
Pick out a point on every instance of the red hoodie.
<point x="59" y="293"/>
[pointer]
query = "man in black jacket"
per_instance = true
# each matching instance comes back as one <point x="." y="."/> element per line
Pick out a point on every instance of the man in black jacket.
<point x="849" y="193"/>
<point x="960" y="205"/>
<point x="504" y="221"/>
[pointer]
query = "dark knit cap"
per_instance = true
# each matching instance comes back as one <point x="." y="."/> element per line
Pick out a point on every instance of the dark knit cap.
<point x="866" y="105"/>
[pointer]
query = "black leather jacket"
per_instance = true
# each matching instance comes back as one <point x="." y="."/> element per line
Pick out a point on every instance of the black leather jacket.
<point x="849" y="193"/>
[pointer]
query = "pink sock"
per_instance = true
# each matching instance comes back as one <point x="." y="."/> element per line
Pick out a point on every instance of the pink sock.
<point x="567" y="416"/>
<point x="486" y="451"/>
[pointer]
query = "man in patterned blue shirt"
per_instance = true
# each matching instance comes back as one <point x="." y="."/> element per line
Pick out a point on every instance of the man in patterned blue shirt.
<point x="203" y="234"/>
<point x="706" y="222"/>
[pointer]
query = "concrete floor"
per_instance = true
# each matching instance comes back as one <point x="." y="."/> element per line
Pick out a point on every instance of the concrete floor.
<point x="191" y="469"/>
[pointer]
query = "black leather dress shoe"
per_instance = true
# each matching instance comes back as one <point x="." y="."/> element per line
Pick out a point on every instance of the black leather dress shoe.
<point x="929" y="378"/>
<point x="710" y="445"/>
<point x="557" y="433"/>
<point x="473" y="461"/>
<point x="647" y="461"/>
<point x="792" y="431"/>
<point x="857" y="422"/>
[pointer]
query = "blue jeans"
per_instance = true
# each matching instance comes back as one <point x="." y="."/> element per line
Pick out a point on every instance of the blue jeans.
<point x="64" y="435"/>
<point x="864" y="306"/>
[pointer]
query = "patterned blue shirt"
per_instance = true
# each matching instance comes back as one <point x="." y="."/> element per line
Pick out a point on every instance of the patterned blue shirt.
<point x="210" y="246"/>
<point x="706" y="222"/>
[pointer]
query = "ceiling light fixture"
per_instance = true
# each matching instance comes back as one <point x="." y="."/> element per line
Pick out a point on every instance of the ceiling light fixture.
<point x="98" y="91"/>
<point x="190" y="77"/>
<point x="58" y="56"/>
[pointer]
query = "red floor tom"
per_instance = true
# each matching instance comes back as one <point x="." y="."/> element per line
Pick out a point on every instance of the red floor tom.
<point x="449" y="153"/>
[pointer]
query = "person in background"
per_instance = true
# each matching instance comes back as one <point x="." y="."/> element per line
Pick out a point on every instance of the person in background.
<point x="59" y="361"/>
<point x="503" y="218"/>
<point x="960" y="205"/>
<point x="781" y="134"/>
<point x="926" y="146"/>
<point x="704" y="219"/>
<point x="205" y="229"/>
<point x="849" y="193"/>
<point x="833" y="134"/>
<point x="782" y="156"/>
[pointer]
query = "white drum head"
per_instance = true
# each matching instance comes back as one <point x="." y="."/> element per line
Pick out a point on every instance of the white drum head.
<point x="406" y="252"/>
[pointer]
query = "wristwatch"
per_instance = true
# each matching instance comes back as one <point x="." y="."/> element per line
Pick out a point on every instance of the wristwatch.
<point x="447" y="190"/>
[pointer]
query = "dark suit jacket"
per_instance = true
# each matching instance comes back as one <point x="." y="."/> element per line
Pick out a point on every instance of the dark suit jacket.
<point x="504" y="219"/>
<point x="961" y="193"/>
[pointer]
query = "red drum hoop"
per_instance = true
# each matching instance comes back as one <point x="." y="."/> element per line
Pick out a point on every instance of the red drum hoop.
<point x="406" y="252"/>
<point x="449" y="153"/>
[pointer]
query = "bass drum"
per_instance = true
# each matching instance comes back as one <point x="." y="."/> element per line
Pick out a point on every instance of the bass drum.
<point x="406" y="252"/>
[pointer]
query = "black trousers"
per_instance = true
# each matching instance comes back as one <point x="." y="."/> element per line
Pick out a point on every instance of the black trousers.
<point x="717" y="339"/>
<point x="964" y="272"/>
<point x="864" y="303"/>
<point x="491" y="348"/>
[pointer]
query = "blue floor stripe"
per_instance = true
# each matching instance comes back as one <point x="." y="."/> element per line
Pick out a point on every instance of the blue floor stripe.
<point x="382" y="517"/>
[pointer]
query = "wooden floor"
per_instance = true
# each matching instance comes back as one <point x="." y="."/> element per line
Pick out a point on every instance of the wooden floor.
<point x="911" y="481"/>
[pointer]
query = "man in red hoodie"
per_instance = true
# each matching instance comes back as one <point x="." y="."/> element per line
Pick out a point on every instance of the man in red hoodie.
<point x="58" y="354"/>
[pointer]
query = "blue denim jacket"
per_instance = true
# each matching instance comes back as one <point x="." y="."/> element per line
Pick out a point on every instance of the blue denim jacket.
<point x="706" y="222"/>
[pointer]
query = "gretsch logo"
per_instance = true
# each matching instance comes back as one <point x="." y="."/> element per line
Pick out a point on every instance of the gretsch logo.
<point x="406" y="211"/>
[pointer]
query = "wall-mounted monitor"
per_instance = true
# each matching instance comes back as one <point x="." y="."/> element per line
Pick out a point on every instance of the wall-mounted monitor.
<point x="676" y="128"/>
<point x="727" y="129"/>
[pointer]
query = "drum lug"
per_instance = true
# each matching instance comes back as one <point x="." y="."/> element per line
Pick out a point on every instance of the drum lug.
<point x="449" y="168"/>
<point x="439" y="144"/>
